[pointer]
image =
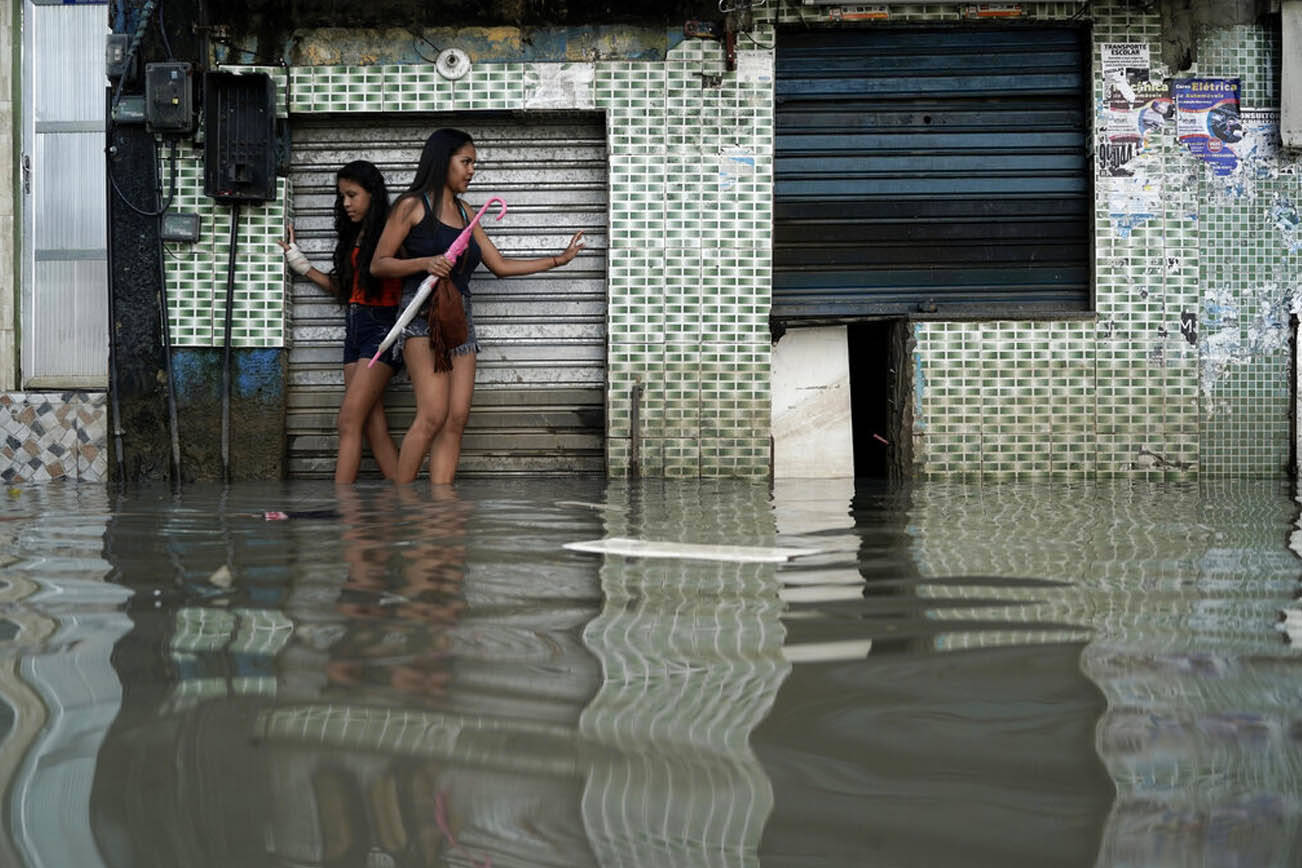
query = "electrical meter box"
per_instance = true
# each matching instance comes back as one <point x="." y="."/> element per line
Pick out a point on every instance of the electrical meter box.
<point x="239" y="116"/>
<point x="169" y="107"/>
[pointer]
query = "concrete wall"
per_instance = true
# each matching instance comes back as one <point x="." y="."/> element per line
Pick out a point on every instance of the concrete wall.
<point x="812" y="432"/>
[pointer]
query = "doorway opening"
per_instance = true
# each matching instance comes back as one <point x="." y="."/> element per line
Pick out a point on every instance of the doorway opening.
<point x="880" y="398"/>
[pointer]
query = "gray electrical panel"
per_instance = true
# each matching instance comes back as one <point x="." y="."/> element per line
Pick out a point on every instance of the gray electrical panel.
<point x="169" y="104"/>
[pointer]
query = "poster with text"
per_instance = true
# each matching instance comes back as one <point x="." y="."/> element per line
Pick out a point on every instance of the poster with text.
<point x="1207" y="120"/>
<point x="1135" y="106"/>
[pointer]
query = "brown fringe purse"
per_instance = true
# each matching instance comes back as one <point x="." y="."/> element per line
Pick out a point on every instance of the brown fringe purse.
<point x="447" y="323"/>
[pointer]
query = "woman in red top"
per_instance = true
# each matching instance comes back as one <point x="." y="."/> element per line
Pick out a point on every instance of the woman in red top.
<point x="361" y="208"/>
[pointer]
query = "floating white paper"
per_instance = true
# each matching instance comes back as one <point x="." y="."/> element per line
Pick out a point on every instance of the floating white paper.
<point x="826" y="652"/>
<point x="645" y="548"/>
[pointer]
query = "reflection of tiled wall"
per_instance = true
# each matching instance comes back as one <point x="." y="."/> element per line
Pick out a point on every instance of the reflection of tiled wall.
<point x="1182" y="633"/>
<point x="53" y="435"/>
<point x="676" y="682"/>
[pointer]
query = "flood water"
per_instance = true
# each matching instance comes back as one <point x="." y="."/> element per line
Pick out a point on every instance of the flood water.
<point x="1040" y="674"/>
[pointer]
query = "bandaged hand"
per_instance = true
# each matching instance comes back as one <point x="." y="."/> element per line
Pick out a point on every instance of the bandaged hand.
<point x="296" y="260"/>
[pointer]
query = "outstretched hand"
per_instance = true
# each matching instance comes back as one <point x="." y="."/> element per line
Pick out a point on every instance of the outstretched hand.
<point x="294" y="257"/>
<point x="572" y="250"/>
<point x="286" y="245"/>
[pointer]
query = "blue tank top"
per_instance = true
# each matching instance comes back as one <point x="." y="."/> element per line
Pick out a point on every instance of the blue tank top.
<point x="430" y="237"/>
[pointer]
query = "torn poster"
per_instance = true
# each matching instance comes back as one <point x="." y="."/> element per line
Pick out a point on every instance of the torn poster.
<point x="1207" y="120"/>
<point x="1135" y="106"/>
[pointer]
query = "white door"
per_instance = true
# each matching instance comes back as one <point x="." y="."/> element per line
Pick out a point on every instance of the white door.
<point x="64" y="263"/>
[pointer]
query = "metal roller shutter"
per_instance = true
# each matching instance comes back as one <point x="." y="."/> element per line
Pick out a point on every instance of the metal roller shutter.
<point x="540" y="383"/>
<point x="931" y="169"/>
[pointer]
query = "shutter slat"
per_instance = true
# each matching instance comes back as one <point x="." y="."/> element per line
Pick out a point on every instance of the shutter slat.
<point x="931" y="168"/>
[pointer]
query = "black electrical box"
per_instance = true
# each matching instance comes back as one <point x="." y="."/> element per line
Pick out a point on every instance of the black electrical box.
<point x="239" y="116"/>
<point x="168" y="103"/>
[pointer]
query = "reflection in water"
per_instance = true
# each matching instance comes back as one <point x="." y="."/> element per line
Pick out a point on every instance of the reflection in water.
<point x="1181" y="587"/>
<point x="58" y="692"/>
<point x="691" y="661"/>
<point x="1041" y="674"/>
<point x="910" y="757"/>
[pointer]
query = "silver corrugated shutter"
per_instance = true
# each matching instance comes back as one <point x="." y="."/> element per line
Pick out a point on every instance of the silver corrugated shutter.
<point x="540" y="386"/>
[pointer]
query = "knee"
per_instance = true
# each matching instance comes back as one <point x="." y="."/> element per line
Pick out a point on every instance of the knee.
<point x="429" y="423"/>
<point x="349" y="421"/>
<point x="456" y="421"/>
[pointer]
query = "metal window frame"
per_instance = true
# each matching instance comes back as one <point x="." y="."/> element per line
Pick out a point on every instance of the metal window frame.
<point x="29" y="375"/>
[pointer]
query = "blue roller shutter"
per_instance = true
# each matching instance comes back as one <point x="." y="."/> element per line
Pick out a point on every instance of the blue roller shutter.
<point x="937" y="170"/>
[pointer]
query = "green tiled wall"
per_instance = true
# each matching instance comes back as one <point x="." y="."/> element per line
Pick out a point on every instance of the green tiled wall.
<point x="1125" y="394"/>
<point x="691" y="177"/>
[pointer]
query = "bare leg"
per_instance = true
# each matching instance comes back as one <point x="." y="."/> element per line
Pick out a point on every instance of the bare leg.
<point x="363" y="410"/>
<point x="446" y="451"/>
<point x="431" y="392"/>
<point x="377" y="434"/>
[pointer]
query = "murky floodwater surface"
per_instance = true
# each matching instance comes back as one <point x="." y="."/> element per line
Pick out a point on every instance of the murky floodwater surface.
<point x="1019" y="674"/>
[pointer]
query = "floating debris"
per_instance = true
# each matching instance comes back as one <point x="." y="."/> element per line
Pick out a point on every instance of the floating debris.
<point x="642" y="548"/>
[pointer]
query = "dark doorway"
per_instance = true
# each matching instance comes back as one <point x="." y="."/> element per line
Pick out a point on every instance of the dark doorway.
<point x="872" y="376"/>
<point x="881" y="398"/>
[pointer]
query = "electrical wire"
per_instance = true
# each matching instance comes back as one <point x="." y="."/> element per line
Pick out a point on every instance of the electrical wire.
<point x="170" y="195"/>
<point x="146" y="13"/>
<point x="162" y="31"/>
<point x="416" y="40"/>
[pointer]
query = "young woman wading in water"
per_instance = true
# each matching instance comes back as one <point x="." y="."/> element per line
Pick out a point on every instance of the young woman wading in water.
<point x="361" y="209"/>
<point x="423" y="223"/>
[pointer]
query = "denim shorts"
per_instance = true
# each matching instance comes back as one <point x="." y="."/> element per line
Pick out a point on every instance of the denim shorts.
<point x="419" y="326"/>
<point x="365" y="326"/>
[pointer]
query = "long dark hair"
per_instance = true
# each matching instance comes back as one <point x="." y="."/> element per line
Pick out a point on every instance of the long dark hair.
<point x="366" y="176"/>
<point x="432" y="171"/>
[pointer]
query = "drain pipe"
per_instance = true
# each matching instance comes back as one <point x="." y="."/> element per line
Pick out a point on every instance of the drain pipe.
<point x="635" y="432"/>
<point x="167" y="364"/>
<point x="164" y="314"/>
<point x="226" y="346"/>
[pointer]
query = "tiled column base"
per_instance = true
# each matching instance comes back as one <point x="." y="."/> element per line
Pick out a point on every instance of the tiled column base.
<point x="53" y="435"/>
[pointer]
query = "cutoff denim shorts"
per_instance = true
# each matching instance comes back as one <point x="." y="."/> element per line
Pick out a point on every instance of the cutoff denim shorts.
<point x="419" y="325"/>
<point x="365" y="326"/>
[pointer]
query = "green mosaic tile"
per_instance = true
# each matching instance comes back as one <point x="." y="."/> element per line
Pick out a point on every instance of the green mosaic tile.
<point x="744" y="457"/>
<point x="682" y="458"/>
<point x="493" y="87"/>
<point x="417" y="87"/>
<point x="337" y="89"/>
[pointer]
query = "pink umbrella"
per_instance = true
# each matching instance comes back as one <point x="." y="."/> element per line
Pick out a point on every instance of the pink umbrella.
<point x="427" y="285"/>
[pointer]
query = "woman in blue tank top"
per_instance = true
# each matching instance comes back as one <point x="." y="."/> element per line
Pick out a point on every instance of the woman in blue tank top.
<point x="423" y="223"/>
